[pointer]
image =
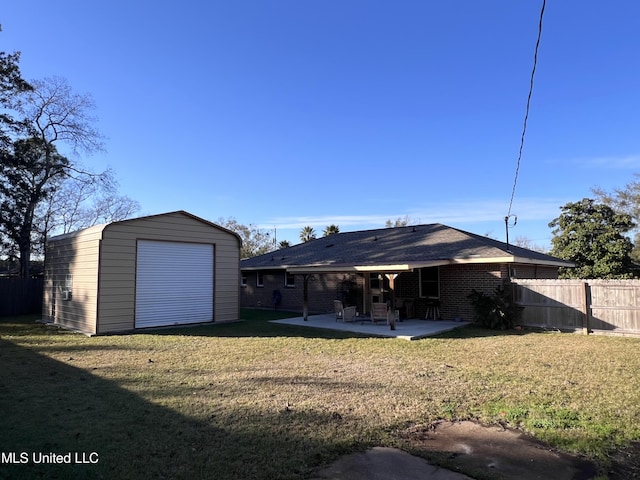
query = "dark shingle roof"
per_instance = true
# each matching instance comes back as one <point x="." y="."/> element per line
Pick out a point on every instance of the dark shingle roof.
<point x="411" y="246"/>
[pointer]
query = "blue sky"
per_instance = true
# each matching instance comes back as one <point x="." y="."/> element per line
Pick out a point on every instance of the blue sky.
<point x="285" y="113"/>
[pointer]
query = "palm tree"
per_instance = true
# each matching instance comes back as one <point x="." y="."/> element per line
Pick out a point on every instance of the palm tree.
<point x="284" y="244"/>
<point x="330" y="230"/>
<point x="307" y="233"/>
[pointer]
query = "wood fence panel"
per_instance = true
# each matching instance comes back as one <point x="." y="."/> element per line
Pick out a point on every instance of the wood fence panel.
<point x="549" y="304"/>
<point x="615" y="305"/>
<point x="608" y="305"/>
<point x="19" y="296"/>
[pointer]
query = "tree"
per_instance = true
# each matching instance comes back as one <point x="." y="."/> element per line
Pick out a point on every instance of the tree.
<point x="330" y="230"/>
<point x="527" y="243"/>
<point x="79" y="204"/>
<point x="27" y="176"/>
<point x="592" y="235"/>
<point x="625" y="200"/>
<point x="284" y="244"/>
<point x="255" y="241"/>
<point x="307" y="234"/>
<point x="398" y="222"/>
<point x="51" y="113"/>
<point x="11" y="85"/>
<point x="55" y="114"/>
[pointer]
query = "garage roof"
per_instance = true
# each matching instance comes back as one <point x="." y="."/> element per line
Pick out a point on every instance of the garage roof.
<point x="103" y="226"/>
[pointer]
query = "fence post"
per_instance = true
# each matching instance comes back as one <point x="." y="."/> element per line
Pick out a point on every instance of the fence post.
<point x="585" y="308"/>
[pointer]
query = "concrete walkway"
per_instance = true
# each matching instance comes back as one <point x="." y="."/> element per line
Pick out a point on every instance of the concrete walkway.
<point x="382" y="463"/>
<point x="407" y="329"/>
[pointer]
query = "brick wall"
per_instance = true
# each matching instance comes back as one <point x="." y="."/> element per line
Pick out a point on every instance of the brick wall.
<point x="323" y="290"/>
<point x="456" y="283"/>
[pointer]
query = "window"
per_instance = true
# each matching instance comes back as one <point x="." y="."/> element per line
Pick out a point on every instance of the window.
<point x="243" y="279"/>
<point x="68" y="282"/>
<point x="430" y="282"/>
<point x="68" y="287"/>
<point x="260" y="279"/>
<point x="374" y="281"/>
<point x="289" y="280"/>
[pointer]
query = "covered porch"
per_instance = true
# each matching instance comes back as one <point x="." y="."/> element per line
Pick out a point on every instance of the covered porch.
<point x="406" y="330"/>
<point x="418" y="295"/>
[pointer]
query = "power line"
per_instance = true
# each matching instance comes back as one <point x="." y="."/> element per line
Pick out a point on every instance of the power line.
<point x="526" y="115"/>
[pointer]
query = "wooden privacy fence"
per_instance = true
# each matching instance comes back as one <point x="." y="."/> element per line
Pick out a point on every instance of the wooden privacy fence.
<point x="20" y="295"/>
<point x="593" y="306"/>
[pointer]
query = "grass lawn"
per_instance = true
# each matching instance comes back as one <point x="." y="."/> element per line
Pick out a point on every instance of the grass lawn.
<point x="254" y="400"/>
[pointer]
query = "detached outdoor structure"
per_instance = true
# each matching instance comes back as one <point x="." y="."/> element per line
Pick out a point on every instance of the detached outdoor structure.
<point x="161" y="270"/>
<point x="425" y="270"/>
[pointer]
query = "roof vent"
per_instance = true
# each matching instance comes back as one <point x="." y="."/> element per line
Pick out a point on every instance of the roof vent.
<point x="329" y="246"/>
<point x="375" y="239"/>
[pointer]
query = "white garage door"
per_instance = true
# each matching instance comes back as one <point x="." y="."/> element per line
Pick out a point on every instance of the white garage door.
<point x="174" y="283"/>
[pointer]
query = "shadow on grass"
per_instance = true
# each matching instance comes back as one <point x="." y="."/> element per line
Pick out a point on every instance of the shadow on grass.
<point x="51" y="407"/>
<point x="474" y="331"/>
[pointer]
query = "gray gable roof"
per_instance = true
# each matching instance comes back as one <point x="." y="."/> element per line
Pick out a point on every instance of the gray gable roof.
<point x="396" y="249"/>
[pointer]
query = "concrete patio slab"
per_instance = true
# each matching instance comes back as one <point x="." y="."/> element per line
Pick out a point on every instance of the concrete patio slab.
<point x="406" y="330"/>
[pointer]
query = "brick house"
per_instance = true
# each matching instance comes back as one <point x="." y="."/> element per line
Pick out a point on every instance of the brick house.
<point x="416" y="267"/>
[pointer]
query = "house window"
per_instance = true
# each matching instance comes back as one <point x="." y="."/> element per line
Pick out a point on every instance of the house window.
<point x="260" y="279"/>
<point x="430" y="282"/>
<point x="374" y="281"/>
<point x="289" y="280"/>
<point x="243" y="279"/>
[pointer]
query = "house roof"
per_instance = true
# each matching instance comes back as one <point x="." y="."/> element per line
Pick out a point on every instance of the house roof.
<point x="396" y="249"/>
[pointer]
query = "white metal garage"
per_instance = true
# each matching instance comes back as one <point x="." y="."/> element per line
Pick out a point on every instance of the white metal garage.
<point x="174" y="283"/>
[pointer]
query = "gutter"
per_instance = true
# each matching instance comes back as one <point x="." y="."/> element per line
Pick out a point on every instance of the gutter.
<point x="407" y="267"/>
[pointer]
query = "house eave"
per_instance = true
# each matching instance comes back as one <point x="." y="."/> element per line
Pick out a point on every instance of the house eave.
<point x="405" y="267"/>
<point x="550" y="263"/>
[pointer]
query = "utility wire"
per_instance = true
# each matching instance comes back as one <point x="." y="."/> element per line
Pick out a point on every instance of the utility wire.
<point x="526" y="115"/>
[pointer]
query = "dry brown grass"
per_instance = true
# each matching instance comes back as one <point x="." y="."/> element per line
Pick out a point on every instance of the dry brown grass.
<point x="258" y="400"/>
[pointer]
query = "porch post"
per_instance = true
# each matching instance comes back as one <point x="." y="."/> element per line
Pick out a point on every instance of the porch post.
<point x="305" y="296"/>
<point x="391" y="314"/>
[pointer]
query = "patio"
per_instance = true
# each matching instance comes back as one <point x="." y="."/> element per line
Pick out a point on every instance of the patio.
<point x="406" y="330"/>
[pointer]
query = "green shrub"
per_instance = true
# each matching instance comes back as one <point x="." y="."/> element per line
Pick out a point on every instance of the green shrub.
<point x="497" y="312"/>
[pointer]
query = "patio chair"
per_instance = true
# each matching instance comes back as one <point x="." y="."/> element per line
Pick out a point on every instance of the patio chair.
<point x="379" y="312"/>
<point x="345" y="314"/>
